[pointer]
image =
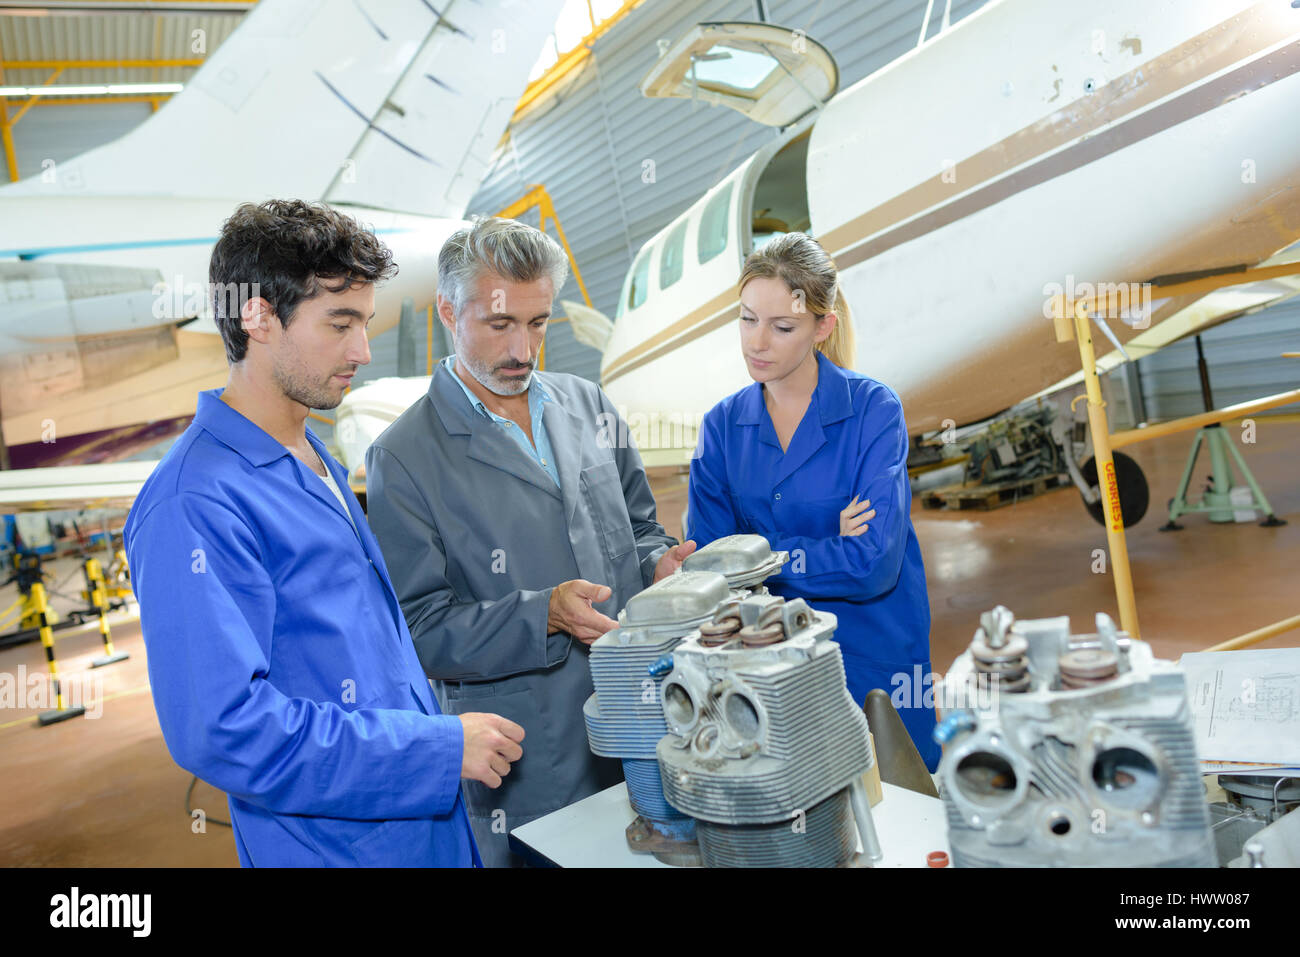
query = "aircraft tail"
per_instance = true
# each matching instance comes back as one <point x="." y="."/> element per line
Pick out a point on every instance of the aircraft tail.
<point x="391" y="104"/>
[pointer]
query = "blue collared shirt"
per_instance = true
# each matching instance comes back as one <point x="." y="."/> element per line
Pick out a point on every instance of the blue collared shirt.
<point x="852" y="441"/>
<point x="539" y="450"/>
<point x="280" y="662"/>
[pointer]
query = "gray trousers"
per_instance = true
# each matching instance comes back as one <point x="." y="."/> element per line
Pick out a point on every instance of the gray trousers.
<point x="494" y="842"/>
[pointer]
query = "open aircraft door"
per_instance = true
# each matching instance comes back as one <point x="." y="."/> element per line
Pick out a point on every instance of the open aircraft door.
<point x="772" y="75"/>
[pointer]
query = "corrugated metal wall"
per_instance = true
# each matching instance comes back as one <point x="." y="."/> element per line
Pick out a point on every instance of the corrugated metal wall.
<point x="60" y="132"/>
<point x="169" y="36"/>
<point x="1244" y="357"/>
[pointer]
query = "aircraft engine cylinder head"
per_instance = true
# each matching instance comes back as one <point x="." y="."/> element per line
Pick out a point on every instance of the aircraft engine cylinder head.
<point x="764" y="740"/>
<point x="744" y="560"/>
<point x="824" y="837"/>
<point x="1088" y="761"/>
<point x="624" y="717"/>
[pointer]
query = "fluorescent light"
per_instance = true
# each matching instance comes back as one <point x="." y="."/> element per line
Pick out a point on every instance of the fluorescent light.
<point x="112" y="89"/>
<point x="132" y="88"/>
<point x="66" y="90"/>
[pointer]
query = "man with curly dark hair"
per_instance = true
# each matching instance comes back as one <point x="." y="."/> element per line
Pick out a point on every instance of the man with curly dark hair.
<point x="281" y="665"/>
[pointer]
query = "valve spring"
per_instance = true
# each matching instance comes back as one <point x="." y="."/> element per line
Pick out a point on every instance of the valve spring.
<point x="756" y="637"/>
<point x="1088" y="667"/>
<point x="1005" y="667"/>
<point x="768" y="630"/>
<point x="715" y="633"/>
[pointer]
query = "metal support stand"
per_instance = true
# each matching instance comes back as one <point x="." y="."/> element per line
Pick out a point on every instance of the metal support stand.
<point x="861" y="804"/>
<point x="60" y="712"/>
<point x="1217" y="498"/>
<point x="96" y="594"/>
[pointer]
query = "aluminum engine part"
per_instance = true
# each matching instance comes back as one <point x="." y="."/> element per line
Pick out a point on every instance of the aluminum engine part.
<point x="824" y="838"/>
<point x="624" y="718"/>
<point x="1091" y="762"/>
<point x="1254" y="802"/>
<point x="1277" y="845"/>
<point x="745" y="560"/>
<point x="764" y="739"/>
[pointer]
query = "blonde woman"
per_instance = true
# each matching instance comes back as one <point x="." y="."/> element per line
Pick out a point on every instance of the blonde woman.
<point x="813" y="456"/>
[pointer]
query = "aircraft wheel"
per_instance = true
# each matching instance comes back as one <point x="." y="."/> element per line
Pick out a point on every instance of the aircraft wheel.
<point x="1134" y="494"/>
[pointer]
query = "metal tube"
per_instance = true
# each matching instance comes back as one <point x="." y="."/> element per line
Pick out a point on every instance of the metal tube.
<point x="1220" y="474"/>
<point x="1254" y="637"/>
<point x="1106" y="476"/>
<point x="1155" y="431"/>
<point x="866" y="826"/>
<point x="1203" y="370"/>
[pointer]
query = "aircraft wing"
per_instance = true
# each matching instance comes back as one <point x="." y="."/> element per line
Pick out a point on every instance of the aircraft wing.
<point x="391" y="104"/>
<point x="113" y="485"/>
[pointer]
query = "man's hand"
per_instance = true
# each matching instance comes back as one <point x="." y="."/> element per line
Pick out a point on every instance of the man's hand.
<point x="854" y="518"/>
<point x="570" y="610"/>
<point x="672" y="559"/>
<point x="491" y="745"/>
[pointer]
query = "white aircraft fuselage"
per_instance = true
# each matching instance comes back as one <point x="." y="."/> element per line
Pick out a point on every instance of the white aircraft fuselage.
<point x="1026" y="150"/>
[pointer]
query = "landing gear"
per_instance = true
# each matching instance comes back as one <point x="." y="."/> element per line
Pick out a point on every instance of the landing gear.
<point x="1134" y="494"/>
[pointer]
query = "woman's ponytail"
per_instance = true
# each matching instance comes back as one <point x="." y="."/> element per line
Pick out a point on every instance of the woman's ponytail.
<point x="841" y="345"/>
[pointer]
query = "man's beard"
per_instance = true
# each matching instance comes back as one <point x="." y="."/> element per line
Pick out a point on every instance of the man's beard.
<point x="499" y="385"/>
<point x="297" y="388"/>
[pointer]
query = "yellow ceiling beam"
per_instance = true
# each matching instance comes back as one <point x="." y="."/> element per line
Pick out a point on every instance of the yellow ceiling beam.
<point x="6" y="133"/>
<point x="97" y="64"/>
<point x="13" y="120"/>
<point x="571" y="60"/>
<point x="10" y="160"/>
<point x="91" y="100"/>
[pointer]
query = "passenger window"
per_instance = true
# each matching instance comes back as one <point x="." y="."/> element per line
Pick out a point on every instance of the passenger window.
<point x="672" y="258"/>
<point x="713" y="225"/>
<point x="640" y="279"/>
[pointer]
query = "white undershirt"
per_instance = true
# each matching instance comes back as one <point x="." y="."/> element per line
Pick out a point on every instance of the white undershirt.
<point x="328" y="479"/>
<point x="333" y="486"/>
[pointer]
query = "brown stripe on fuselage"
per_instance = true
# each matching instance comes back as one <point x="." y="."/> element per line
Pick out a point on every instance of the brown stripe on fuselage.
<point x="1205" y="54"/>
<point x="721" y="302"/>
<point x="1216" y="48"/>
<point x="1255" y="75"/>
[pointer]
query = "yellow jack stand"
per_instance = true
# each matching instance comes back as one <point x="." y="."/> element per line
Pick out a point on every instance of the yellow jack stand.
<point x="38" y="608"/>
<point x="96" y="594"/>
<point x="37" y="616"/>
<point x="118" y="574"/>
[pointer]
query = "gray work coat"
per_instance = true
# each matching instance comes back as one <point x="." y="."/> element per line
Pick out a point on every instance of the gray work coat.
<point x="476" y="536"/>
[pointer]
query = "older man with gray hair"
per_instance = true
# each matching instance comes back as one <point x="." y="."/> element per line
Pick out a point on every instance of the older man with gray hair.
<point x="512" y="530"/>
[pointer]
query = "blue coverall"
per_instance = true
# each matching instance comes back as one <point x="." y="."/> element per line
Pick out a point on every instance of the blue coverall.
<point x="280" y="662"/>
<point x="851" y="441"/>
